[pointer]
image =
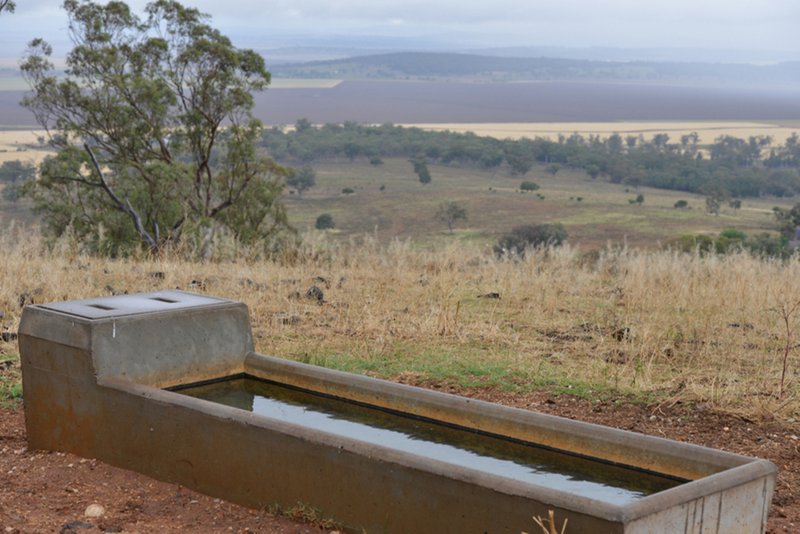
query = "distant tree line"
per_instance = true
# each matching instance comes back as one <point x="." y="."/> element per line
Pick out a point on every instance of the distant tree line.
<point x="727" y="168"/>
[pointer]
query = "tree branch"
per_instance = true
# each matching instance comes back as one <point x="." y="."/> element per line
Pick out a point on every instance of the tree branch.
<point x="123" y="207"/>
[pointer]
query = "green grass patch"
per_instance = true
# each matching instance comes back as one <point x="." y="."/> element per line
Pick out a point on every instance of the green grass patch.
<point x="10" y="380"/>
<point x="470" y="367"/>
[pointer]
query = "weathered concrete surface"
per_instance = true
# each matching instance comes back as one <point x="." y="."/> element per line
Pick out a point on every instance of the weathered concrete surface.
<point x="93" y="379"/>
<point x="157" y="339"/>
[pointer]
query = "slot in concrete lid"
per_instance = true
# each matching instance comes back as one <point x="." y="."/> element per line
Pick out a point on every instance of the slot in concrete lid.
<point x="120" y="305"/>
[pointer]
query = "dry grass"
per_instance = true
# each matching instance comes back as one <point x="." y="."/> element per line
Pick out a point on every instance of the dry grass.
<point x="654" y="325"/>
<point x="707" y="130"/>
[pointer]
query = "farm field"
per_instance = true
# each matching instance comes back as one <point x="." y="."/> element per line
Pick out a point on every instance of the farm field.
<point x="404" y="102"/>
<point x="21" y="145"/>
<point x="708" y="131"/>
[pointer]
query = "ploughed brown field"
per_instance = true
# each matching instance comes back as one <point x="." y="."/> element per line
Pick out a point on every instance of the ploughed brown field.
<point x="436" y="102"/>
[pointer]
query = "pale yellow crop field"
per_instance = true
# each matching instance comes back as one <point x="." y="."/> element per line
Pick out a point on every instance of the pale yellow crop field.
<point x="21" y="145"/>
<point x="707" y="130"/>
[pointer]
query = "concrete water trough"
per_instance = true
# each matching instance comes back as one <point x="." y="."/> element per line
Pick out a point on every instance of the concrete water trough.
<point x="168" y="384"/>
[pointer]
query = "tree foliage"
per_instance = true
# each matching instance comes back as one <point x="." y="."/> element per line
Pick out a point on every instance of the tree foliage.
<point x="421" y="170"/>
<point x="529" y="236"/>
<point x="8" y="6"/>
<point x="788" y="220"/>
<point x="16" y="175"/>
<point x="16" y="171"/>
<point x="156" y="140"/>
<point x="302" y="179"/>
<point x="449" y="212"/>
<point x="745" y="168"/>
<point x="324" y="222"/>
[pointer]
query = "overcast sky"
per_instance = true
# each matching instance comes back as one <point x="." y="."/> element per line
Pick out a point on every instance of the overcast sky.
<point x="716" y="24"/>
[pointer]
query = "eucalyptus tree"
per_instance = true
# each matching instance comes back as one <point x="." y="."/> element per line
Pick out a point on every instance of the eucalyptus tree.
<point x="152" y="122"/>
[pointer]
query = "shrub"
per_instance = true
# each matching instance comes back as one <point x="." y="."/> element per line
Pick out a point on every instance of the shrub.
<point x="681" y="204"/>
<point x="324" y="222"/>
<point x="528" y="186"/>
<point x="732" y="240"/>
<point x="766" y="245"/>
<point x="530" y="236"/>
<point x="348" y="191"/>
<point x="733" y="233"/>
<point x="691" y="243"/>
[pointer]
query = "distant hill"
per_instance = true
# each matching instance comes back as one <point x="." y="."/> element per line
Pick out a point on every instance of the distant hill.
<point x="427" y="65"/>
<point x="657" y="54"/>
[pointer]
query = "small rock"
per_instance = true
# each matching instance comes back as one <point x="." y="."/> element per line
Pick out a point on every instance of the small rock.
<point x="315" y="293"/>
<point x="94" y="510"/>
<point x="198" y="283"/>
<point x="8" y="336"/>
<point x="74" y="526"/>
<point x="726" y="429"/>
<point x="621" y="334"/>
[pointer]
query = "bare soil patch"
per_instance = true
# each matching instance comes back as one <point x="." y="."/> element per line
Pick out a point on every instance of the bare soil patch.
<point x="49" y="491"/>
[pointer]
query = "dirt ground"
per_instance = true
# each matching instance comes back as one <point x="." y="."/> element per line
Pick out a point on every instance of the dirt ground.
<point x="50" y="491"/>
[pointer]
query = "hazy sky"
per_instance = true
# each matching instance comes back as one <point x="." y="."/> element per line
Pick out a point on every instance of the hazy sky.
<point x="718" y="24"/>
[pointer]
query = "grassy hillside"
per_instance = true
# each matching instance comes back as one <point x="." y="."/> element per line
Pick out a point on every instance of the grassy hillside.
<point x="594" y="212"/>
<point x="644" y="326"/>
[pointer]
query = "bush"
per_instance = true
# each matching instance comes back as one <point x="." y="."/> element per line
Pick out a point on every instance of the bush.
<point x="528" y="236"/>
<point x="733" y="234"/>
<point x="732" y="240"/>
<point x="348" y="191"/>
<point x="681" y="204"/>
<point x="528" y="186"/>
<point x="324" y="222"/>
<point x="766" y="245"/>
<point x="691" y="243"/>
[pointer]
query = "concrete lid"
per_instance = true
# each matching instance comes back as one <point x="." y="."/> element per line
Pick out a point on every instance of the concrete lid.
<point x="121" y="305"/>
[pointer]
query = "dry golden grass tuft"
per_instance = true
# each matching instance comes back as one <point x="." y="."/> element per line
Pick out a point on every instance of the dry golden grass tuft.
<point x="658" y="326"/>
